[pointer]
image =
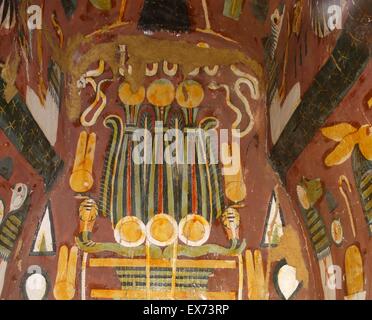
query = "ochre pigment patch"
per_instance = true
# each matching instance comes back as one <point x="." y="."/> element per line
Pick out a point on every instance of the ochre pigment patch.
<point x="141" y="50"/>
<point x="290" y="249"/>
<point x="9" y="74"/>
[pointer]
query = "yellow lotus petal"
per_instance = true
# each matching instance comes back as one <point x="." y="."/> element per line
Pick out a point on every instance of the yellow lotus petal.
<point x="342" y="152"/>
<point x="365" y="143"/>
<point x="338" y="131"/>
<point x="236" y="191"/>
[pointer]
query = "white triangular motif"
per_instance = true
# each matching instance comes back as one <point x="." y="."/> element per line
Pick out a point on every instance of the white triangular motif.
<point x="273" y="229"/>
<point x="44" y="242"/>
<point x="287" y="281"/>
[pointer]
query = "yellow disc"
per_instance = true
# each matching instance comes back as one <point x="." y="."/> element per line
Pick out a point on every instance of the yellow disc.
<point x="190" y="94"/>
<point x="130" y="232"/>
<point x="236" y="191"/>
<point x="64" y="290"/>
<point x="161" y="93"/>
<point x="337" y="232"/>
<point x="162" y="230"/>
<point x="128" y="97"/>
<point x="194" y="230"/>
<point x="81" y="181"/>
